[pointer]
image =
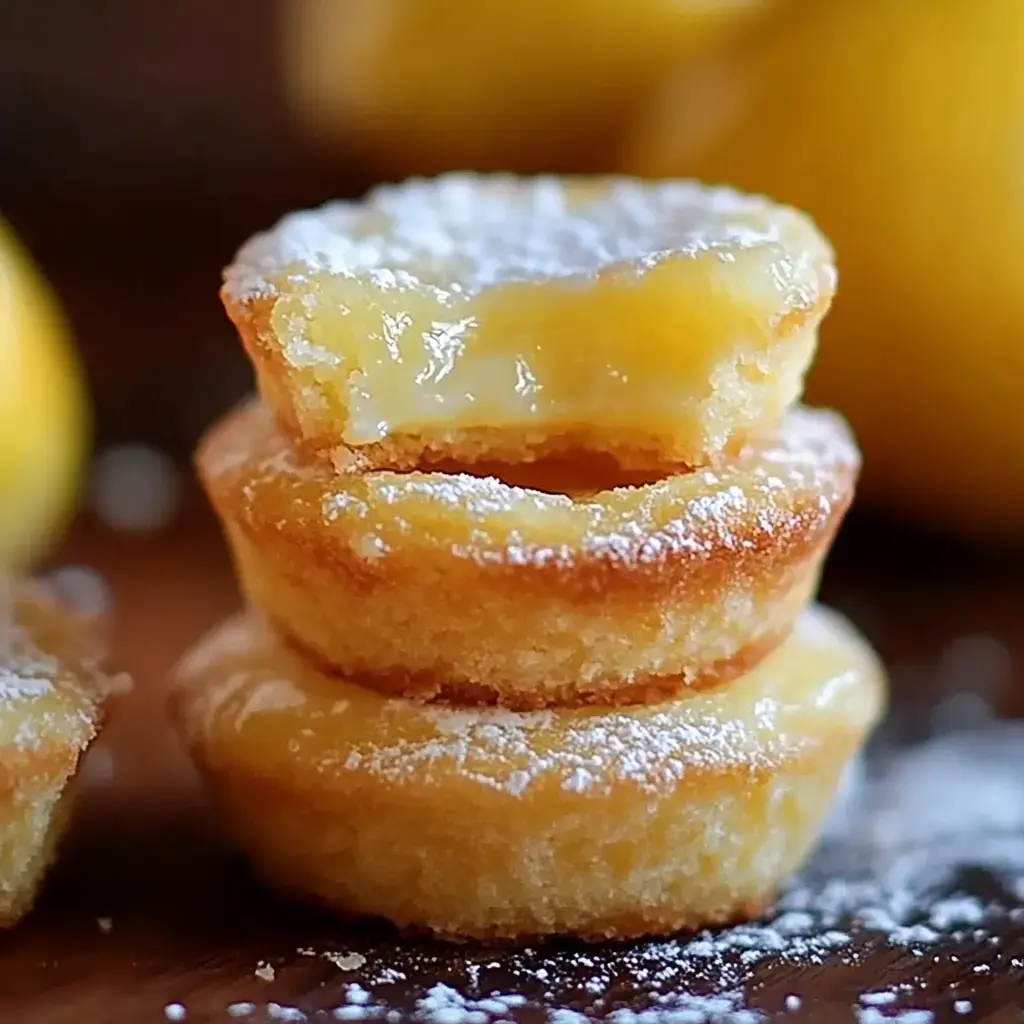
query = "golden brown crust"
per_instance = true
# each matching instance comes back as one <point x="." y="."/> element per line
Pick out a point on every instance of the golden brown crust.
<point x="494" y="825"/>
<point x="53" y="698"/>
<point x="620" y="928"/>
<point x="464" y="587"/>
<point x="623" y="927"/>
<point x="640" y="690"/>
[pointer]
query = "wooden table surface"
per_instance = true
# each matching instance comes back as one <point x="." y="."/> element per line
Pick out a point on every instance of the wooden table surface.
<point x="147" y="908"/>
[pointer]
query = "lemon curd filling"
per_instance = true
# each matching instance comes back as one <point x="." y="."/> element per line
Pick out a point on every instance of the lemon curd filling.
<point x="525" y="316"/>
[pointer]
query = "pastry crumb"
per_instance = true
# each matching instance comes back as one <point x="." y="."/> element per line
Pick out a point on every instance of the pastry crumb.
<point x="346" y="961"/>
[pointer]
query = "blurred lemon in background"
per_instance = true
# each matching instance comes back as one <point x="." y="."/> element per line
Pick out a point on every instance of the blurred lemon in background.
<point x="900" y="127"/>
<point x="43" y="420"/>
<point x="422" y="86"/>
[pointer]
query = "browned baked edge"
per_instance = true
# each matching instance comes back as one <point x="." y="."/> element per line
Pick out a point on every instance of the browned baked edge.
<point x="608" y="693"/>
<point x="765" y="548"/>
<point x="618" y="929"/>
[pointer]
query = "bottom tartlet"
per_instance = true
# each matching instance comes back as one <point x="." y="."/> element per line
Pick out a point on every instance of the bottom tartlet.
<point x="495" y="825"/>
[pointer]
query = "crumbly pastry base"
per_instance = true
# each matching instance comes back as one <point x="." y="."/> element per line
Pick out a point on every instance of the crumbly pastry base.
<point x="495" y="825"/>
<point x="491" y="317"/>
<point x="629" y="450"/>
<point x="640" y="689"/>
<point x="52" y="705"/>
<point x="443" y="585"/>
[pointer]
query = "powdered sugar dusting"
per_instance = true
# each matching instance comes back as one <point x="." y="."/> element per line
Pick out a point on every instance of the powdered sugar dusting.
<point x="774" y="491"/>
<point x="461" y="233"/>
<point x="654" y="752"/>
<point x="824" y="674"/>
<point x="47" y="698"/>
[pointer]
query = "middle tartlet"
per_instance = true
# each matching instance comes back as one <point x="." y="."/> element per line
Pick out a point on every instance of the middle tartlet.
<point x="494" y="589"/>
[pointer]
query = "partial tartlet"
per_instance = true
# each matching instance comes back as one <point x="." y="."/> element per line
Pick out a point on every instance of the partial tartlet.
<point x="53" y="698"/>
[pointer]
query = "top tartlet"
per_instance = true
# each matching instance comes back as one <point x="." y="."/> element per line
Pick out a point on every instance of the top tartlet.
<point x="502" y="318"/>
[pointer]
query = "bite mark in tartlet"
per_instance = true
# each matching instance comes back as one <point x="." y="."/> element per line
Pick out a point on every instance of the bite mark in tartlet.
<point x="474" y="317"/>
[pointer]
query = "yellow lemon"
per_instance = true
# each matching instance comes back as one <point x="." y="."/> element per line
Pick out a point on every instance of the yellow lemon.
<point x="423" y="86"/>
<point x="900" y="127"/>
<point x="43" y="420"/>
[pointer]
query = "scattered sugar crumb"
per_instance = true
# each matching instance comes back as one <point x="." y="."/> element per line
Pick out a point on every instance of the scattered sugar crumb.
<point x="275" y="1011"/>
<point x="793" y="1002"/>
<point x="956" y="911"/>
<point x="175" y="1011"/>
<point x="357" y="995"/>
<point x="880" y="998"/>
<point x="105" y="924"/>
<point x="962" y="1006"/>
<point x="265" y="971"/>
<point x="241" y="1009"/>
<point x="346" y="961"/>
<point x="349" y="1013"/>
<point x="872" y="1015"/>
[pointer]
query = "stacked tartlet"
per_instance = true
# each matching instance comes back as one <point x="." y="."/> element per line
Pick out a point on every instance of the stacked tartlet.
<point x="529" y="527"/>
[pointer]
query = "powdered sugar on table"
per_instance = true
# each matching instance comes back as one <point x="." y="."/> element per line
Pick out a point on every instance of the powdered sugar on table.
<point x="926" y="859"/>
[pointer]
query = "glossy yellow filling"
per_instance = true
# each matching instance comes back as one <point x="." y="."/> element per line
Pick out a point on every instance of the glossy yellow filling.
<point x="409" y="361"/>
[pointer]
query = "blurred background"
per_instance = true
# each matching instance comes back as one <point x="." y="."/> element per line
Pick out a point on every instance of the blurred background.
<point x="143" y="142"/>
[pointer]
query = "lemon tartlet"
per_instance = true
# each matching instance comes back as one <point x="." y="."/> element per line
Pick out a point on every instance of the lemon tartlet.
<point x="490" y="824"/>
<point x="53" y="697"/>
<point x="470" y="589"/>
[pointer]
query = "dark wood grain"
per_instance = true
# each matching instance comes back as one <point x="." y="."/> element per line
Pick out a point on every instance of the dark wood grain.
<point x="188" y="925"/>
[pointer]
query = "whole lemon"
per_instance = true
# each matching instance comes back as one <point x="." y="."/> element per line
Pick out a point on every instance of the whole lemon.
<point x="43" y="419"/>
<point x="899" y="124"/>
<point x="422" y="86"/>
